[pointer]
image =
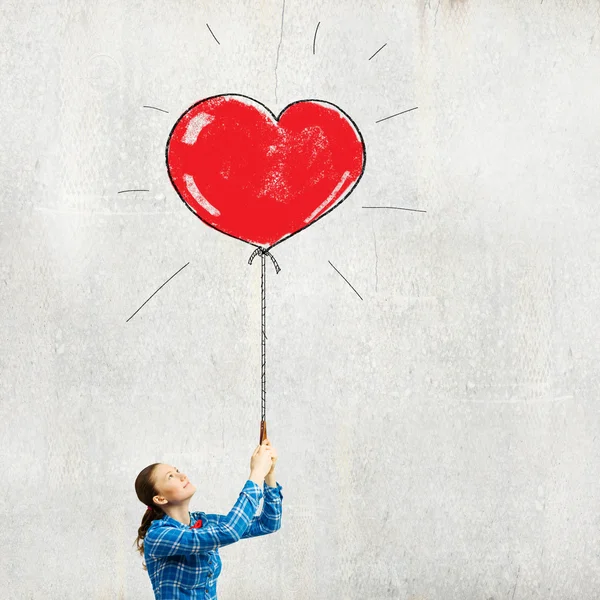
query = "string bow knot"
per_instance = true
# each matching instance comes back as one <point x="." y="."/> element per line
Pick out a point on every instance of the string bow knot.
<point x="264" y="252"/>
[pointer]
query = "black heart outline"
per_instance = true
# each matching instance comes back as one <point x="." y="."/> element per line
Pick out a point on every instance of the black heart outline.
<point x="276" y="119"/>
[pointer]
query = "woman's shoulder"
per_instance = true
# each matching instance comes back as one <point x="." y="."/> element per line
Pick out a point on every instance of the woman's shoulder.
<point x="156" y="523"/>
<point x="159" y="523"/>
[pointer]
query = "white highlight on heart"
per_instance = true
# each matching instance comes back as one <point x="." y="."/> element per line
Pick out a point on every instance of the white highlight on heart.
<point x="198" y="197"/>
<point x="195" y="126"/>
<point x="336" y="189"/>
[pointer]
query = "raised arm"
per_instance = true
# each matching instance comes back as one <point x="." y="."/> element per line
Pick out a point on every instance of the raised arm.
<point x="173" y="541"/>
<point x="269" y="519"/>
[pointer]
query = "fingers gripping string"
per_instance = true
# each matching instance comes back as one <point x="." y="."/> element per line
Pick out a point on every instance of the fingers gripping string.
<point x="263" y="337"/>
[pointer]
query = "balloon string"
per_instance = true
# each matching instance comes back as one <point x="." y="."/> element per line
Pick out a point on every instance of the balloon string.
<point x="263" y="322"/>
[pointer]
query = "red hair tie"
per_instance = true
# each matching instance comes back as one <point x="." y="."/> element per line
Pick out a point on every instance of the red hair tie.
<point x="197" y="524"/>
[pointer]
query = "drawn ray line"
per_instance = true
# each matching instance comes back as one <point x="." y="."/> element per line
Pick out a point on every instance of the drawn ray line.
<point x="211" y="31"/>
<point x="400" y="113"/>
<point x="380" y="49"/>
<point x="397" y="208"/>
<point x="155" y="108"/>
<point x="346" y="281"/>
<point x="165" y="283"/>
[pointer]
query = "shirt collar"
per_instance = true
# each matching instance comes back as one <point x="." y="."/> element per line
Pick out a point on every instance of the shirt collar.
<point x="171" y="521"/>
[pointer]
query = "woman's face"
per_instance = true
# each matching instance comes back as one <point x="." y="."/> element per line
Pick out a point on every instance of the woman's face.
<point x="171" y="485"/>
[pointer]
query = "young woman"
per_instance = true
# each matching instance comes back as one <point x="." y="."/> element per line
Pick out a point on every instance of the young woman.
<point x="181" y="548"/>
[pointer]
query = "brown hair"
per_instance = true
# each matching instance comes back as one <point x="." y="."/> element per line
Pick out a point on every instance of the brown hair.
<point x="145" y="490"/>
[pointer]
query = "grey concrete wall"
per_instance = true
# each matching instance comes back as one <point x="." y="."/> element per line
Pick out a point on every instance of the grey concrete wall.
<point x="438" y="438"/>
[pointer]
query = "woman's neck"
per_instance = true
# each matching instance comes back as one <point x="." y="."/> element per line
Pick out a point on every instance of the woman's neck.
<point x="179" y="512"/>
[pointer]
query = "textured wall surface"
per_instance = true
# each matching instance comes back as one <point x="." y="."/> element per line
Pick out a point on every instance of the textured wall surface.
<point x="438" y="435"/>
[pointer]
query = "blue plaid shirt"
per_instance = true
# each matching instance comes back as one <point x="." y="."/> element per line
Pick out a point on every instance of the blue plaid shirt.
<point x="184" y="563"/>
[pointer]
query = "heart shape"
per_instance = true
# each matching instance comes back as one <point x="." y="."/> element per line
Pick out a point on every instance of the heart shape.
<point x="261" y="178"/>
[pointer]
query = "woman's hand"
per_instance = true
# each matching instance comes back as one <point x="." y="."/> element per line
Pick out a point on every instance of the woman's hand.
<point x="260" y="463"/>
<point x="273" y="455"/>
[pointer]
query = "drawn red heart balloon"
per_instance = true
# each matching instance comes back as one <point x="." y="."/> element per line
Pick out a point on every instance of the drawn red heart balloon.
<point x="260" y="178"/>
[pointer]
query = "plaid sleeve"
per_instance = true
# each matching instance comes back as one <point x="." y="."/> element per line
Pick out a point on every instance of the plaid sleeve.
<point x="269" y="519"/>
<point x="173" y="541"/>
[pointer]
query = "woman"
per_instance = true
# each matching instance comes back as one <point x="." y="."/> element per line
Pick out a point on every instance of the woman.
<point x="181" y="548"/>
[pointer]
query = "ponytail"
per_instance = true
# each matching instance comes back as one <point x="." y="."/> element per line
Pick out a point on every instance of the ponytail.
<point x="144" y="488"/>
